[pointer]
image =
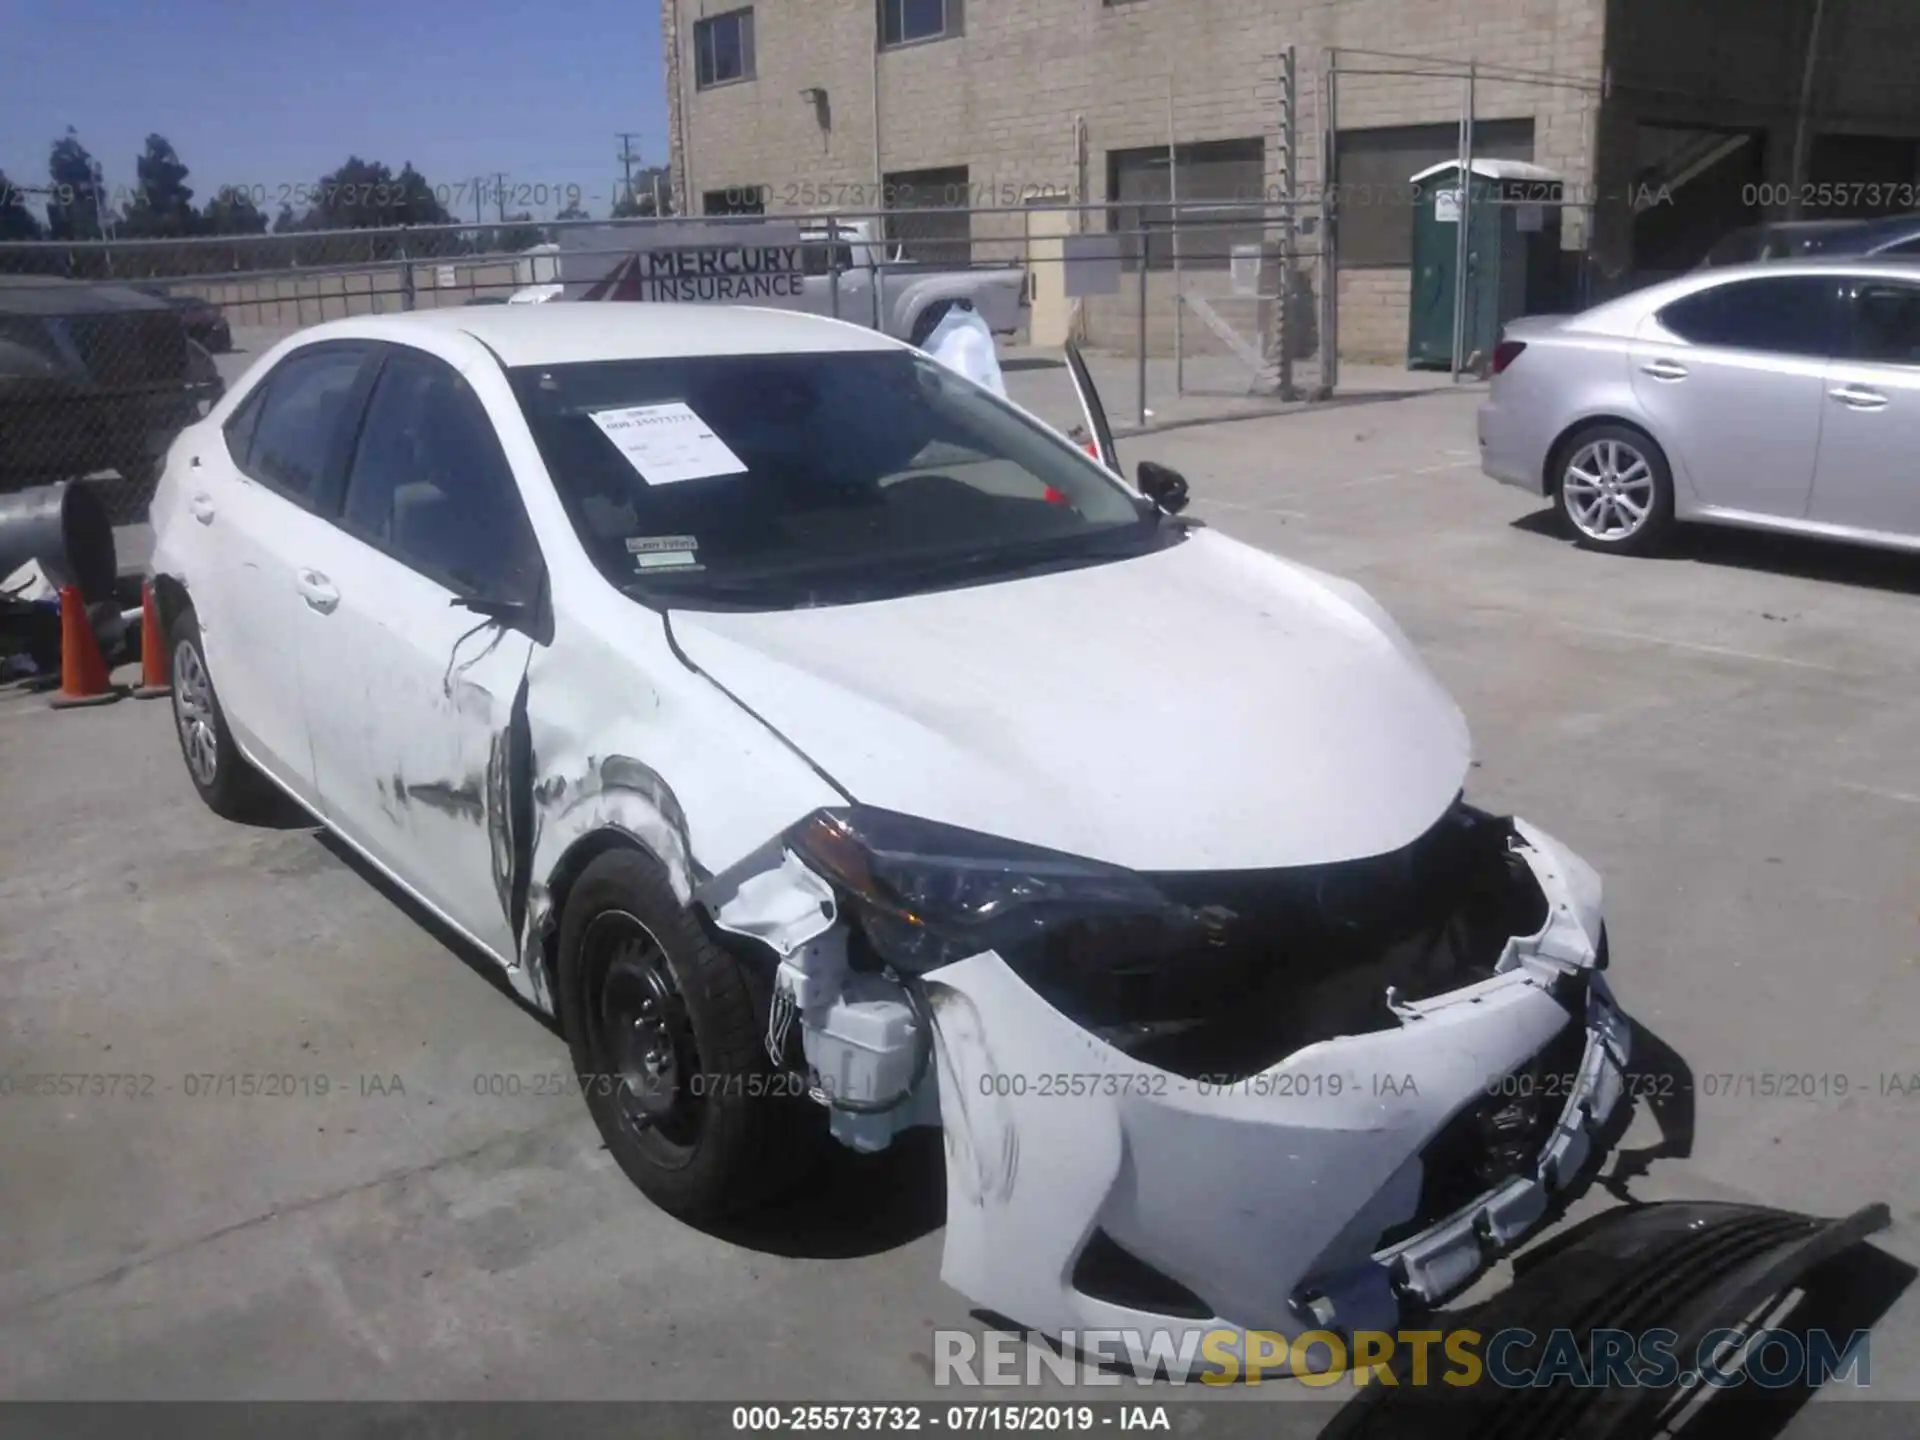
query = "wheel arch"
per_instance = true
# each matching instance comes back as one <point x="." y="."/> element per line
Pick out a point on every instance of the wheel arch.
<point x="1564" y="440"/>
<point x="170" y="597"/>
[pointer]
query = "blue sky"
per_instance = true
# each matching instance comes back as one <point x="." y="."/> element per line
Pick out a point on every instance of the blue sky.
<point x="271" y="95"/>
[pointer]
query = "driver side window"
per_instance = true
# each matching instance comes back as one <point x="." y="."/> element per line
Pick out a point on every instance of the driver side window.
<point x="431" y="486"/>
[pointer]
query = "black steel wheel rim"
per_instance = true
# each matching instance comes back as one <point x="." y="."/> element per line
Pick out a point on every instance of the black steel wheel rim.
<point x="641" y="1041"/>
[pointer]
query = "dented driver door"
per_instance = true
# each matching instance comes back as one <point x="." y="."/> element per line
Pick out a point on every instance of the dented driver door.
<point x="416" y="700"/>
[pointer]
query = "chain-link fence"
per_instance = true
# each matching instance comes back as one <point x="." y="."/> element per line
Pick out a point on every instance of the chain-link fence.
<point x="1518" y="238"/>
<point x="107" y="349"/>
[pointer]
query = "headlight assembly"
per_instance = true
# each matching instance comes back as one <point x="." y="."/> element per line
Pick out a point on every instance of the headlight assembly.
<point x="926" y="894"/>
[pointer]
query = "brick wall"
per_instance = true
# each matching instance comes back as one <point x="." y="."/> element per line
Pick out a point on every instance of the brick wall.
<point x="1003" y="98"/>
<point x="1373" y="315"/>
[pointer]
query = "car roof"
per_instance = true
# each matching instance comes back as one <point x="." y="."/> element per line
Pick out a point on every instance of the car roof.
<point x="56" y="295"/>
<point x="1867" y="232"/>
<point x="563" y="332"/>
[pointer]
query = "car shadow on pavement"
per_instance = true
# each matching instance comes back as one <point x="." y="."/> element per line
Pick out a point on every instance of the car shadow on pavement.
<point x="1663" y="1082"/>
<point x="278" y="812"/>
<point x="463" y="950"/>
<point x="1801" y="556"/>
<point x="854" y="1205"/>
<point x="1805" y="557"/>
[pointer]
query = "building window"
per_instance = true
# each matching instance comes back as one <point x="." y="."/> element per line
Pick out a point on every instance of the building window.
<point x="931" y="237"/>
<point x="1220" y="188"/>
<point x="735" y="200"/>
<point x="1375" y="168"/>
<point x="907" y="22"/>
<point x="723" y="49"/>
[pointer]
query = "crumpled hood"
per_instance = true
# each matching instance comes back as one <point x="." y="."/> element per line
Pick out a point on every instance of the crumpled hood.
<point x="1206" y="707"/>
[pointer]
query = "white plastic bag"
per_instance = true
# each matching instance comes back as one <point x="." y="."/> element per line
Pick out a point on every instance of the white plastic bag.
<point x="963" y="343"/>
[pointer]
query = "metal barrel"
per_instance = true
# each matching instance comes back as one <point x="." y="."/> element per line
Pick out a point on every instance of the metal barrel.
<point x="66" y="528"/>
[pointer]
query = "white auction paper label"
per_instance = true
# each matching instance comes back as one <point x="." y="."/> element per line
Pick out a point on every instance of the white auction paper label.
<point x="666" y="444"/>
<point x="665" y="552"/>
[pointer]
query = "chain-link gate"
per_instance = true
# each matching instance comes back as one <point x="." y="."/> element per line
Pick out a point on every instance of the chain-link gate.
<point x="1259" y="330"/>
<point x="1494" y="133"/>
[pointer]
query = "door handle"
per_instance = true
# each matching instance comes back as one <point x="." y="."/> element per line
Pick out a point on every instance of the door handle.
<point x="1665" y="369"/>
<point x="202" y="507"/>
<point x="1856" y="398"/>
<point x="317" y="591"/>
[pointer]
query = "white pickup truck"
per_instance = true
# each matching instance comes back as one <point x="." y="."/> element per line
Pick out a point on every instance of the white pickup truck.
<point x="837" y="268"/>
<point x="862" y="280"/>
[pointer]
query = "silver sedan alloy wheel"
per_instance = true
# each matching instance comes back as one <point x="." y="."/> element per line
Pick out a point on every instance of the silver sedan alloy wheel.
<point x="1608" y="490"/>
<point x="193" y="711"/>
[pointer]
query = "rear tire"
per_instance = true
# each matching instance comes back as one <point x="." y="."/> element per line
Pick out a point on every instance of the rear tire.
<point x="667" y="1029"/>
<point x="231" y="787"/>
<point x="1614" y="489"/>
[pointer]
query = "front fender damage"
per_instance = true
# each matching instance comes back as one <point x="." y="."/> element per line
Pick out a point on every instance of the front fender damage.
<point x="1382" y="1155"/>
<point x="577" y="806"/>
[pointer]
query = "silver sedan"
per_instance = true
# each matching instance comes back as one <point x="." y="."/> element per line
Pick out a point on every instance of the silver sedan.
<point x="1783" y="396"/>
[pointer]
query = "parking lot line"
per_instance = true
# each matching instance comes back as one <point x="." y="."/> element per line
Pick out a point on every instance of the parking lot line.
<point x="1875" y="790"/>
<point x="1705" y="649"/>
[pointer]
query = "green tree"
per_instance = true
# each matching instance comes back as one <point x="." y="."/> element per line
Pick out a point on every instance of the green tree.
<point x="17" y="222"/>
<point x="519" y="233"/>
<point x="574" y="212"/>
<point x="647" y="184"/>
<point x="286" y="221"/>
<point x="232" y="212"/>
<point x="77" y="208"/>
<point x="162" y="202"/>
<point x="365" y="194"/>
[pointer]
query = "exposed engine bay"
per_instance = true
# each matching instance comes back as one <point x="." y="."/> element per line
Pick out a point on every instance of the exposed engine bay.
<point x="1263" y="1100"/>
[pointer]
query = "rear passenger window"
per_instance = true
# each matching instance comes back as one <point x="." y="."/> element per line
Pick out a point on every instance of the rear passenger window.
<point x="240" y="425"/>
<point x="431" y="486"/>
<point x="1787" y="315"/>
<point x="303" y="421"/>
<point x="1886" y="323"/>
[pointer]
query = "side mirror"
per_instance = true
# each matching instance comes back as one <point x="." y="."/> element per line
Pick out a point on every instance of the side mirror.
<point x="1165" y="487"/>
<point x="507" y="612"/>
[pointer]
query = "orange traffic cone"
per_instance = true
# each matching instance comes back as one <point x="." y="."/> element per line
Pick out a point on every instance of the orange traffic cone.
<point x="83" y="671"/>
<point x="153" y="650"/>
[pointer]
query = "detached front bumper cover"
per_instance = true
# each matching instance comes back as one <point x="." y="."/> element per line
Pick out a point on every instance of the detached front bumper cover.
<point x="1262" y="1203"/>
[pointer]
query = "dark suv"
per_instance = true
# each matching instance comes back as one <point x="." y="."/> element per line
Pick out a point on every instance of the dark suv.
<point x="1801" y="239"/>
<point x="94" y="378"/>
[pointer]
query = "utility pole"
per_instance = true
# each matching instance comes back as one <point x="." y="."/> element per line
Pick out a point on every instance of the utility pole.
<point x="627" y="157"/>
<point x="500" y="194"/>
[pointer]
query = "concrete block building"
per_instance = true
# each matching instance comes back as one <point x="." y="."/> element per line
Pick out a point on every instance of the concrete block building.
<point x="1670" y="123"/>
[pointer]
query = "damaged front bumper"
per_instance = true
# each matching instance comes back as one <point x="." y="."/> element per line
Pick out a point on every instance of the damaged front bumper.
<point x="1385" y="1158"/>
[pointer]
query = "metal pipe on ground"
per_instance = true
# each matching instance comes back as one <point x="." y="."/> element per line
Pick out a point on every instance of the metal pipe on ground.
<point x="65" y="527"/>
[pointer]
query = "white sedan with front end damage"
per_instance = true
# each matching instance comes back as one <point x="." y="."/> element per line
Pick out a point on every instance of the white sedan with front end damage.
<point x="835" y="748"/>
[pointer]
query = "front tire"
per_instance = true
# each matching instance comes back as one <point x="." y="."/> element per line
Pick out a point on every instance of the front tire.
<point x="231" y="787"/>
<point x="666" y="1030"/>
<point x="1615" y="490"/>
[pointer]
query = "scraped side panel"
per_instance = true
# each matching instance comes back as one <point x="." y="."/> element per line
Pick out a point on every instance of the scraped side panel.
<point x="624" y="744"/>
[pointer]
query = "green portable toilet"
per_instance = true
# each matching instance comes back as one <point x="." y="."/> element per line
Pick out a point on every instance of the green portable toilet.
<point x="1513" y="256"/>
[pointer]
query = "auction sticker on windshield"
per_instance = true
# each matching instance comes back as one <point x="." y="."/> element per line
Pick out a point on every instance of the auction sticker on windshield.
<point x="664" y="552"/>
<point x="666" y="444"/>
